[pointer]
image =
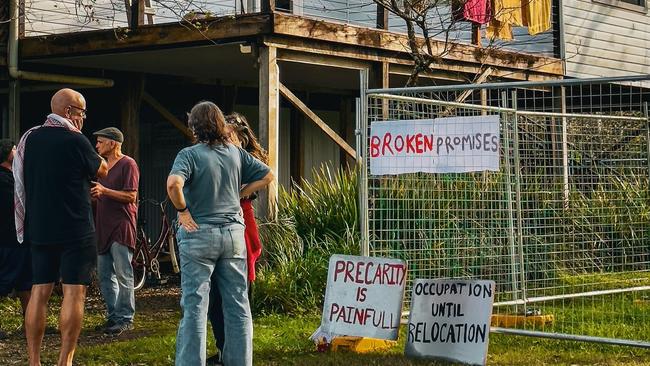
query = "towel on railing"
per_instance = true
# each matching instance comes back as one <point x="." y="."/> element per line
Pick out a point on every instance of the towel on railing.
<point x="476" y="11"/>
<point x="536" y="15"/>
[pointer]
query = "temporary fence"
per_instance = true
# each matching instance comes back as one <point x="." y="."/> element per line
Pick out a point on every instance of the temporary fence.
<point x="563" y="226"/>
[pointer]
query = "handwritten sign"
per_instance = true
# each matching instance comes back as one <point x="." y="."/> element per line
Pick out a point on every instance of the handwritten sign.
<point x="450" y="320"/>
<point x="364" y="296"/>
<point x="441" y="145"/>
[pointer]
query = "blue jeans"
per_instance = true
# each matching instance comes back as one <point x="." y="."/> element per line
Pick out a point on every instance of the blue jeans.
<point x="217" y="252"/>
<point x="116" y="283"/>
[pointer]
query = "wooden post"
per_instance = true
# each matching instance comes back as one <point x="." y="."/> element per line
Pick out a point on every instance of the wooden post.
<point x="13" y="129"/>
<point x="269" y="122"/>
<point x="344" y="122"/>
<point x="476" y="34"/>
<point x="131" y="98"/>
<point x="135" y="15"/>
<point x="385" y="83"/>
<point x="296" y="147"/>
<point x="268" y="6"/>
<point x="382" y="17"/>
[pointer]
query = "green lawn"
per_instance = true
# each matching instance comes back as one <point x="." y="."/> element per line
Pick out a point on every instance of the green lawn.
<point x="279" y="340"/>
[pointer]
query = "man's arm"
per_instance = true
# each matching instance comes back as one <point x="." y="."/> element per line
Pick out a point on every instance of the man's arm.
<point x="99" y="190"/>
<point x="102" y="172"/>
<point x="256" y="185"/>
<point x="175" y="184"/>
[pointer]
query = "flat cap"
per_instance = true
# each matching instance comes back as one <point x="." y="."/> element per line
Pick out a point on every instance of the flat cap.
<point x="111" y="133"/>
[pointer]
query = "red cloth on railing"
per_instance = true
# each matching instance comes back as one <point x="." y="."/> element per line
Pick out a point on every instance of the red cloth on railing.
<point x="476" y="11"/>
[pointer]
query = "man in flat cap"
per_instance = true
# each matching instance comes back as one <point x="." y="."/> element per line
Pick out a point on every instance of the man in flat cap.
<point x="115" y="218"/>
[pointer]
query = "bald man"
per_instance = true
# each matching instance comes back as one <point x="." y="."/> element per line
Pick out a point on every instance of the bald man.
<point x="53" y="168"/>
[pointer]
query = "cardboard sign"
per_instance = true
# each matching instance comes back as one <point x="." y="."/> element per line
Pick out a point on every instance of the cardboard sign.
<point x="450" y="320"/>
<point x="364" y="296"/>
<point x="441" y="145"/>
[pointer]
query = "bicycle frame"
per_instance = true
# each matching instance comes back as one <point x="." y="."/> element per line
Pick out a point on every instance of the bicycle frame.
<point x="145" y="257"/>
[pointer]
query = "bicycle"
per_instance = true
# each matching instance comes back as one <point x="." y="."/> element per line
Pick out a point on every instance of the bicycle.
<point x="145" y="257"/>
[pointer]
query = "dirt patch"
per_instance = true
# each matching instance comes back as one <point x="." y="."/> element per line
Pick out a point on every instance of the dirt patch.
<point x="152" y="303"/>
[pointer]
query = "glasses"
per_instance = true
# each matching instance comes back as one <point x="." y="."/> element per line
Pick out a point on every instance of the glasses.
<point x="83" y="111"/>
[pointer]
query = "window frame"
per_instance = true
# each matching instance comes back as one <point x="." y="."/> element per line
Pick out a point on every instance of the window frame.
<point x="625" y="5"/>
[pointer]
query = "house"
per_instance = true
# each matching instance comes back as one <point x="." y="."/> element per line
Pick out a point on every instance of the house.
<point x="293" y="67"/>
<point x="605" y="38"/>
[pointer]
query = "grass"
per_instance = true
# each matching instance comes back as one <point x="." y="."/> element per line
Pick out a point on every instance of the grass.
<point x="283" y="340"/>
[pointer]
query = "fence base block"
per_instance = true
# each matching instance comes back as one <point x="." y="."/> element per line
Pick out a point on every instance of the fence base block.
<point x="509" y="321"/>
<point x="360" y="344"/>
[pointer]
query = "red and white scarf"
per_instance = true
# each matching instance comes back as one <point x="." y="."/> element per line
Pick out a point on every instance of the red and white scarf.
<point x="53" y="120"/>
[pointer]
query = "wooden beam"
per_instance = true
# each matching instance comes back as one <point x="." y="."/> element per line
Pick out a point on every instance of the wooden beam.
<point x="480" y="80"/>
<point x="130" y="101"/>
<point x="320" y="59"/>
<point x="316" y="120"/>
<point x="150" y="36"/>
<point x="269" y="122"/>
<point x="399" y="61"/>
<point x="296" y="26"/>
<point x="147" y="98"/>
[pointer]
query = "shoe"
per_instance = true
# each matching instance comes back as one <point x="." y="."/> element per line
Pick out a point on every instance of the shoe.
<point x="118" y="328"/>
<point x="109" y="323"/>
<point x="214" y="360"/>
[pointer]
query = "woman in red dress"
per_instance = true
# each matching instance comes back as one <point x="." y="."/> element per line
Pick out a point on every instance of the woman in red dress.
<point x="241" y="135"/>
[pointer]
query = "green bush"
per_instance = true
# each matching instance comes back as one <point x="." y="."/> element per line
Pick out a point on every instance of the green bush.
<point x="315" y="220"/>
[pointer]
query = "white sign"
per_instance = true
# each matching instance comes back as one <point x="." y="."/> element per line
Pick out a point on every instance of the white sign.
<point x="450" y="320"/>
<point x="364" y="296"/>
<point x="441" y="145"/>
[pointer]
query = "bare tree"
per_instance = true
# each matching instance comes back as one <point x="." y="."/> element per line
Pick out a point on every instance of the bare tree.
<point x="435" y="28"/>
<point x="424" y="17"/>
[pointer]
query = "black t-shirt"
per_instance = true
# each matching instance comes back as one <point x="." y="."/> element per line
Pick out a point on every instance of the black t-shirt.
<point x="7" y="222"/>
<point x="58" y="167"/>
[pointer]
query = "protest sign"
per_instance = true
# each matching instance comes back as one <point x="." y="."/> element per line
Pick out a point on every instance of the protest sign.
<point x="441" y="145"/>
<point x="450" y="320"/>
<point x="364" y="296"/>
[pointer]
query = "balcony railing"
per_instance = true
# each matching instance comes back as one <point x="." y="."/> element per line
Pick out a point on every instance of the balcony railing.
<point x="47" y="17"/>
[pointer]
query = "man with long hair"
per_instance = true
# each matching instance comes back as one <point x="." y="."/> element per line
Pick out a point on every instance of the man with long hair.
<point x="242" y="136"/>
<point x="204" y="186"/>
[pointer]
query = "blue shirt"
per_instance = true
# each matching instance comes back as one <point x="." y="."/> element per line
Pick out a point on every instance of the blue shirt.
<point x="213" y="178"/>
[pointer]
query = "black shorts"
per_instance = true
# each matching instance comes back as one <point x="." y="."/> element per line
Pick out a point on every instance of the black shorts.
<point x="72" y="262"/>
<point x="15" y="269"/>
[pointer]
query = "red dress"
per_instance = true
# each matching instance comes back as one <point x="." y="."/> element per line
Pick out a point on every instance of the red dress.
<point x="252" y="236"/>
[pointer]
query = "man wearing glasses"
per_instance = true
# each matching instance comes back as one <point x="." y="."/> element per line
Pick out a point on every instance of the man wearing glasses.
<point x="53" y="167"/>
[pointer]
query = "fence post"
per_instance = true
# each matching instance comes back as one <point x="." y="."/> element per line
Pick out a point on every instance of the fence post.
<point x="520" y="212"/>
<point x="362" y="181"/>
<point x="511" y="219"/>
<point x="565" y="150"/>
<point x="647" y="140"/>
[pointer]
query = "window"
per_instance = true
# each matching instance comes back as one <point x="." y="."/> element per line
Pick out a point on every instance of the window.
<point x="634" y="5"/>
<point x="634" y="2"/>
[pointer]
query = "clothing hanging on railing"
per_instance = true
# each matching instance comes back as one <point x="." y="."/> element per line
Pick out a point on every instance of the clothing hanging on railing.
<point x="475" y="11"/>
<point x="534" y="14"/>
<point x="537" y="15"/>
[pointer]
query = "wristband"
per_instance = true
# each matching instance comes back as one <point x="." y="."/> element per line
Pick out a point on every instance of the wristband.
<point x="181" y="209"/>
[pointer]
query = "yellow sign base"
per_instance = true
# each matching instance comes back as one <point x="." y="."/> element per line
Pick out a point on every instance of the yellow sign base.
<point x="360" y="344"/>
<point x="508" y="321"/>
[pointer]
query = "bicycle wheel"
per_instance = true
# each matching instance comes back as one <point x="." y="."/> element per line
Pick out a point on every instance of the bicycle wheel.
<point x="173" y="252"/>
<point x="139" y="263"/>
